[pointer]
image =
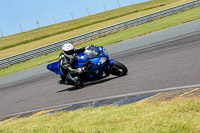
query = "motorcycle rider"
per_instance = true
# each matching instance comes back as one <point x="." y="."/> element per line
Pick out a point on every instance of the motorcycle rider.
<point x="66" y="62"/>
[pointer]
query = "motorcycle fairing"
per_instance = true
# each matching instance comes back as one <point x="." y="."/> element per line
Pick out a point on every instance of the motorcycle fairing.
<point x="54" y="67"/>
<point x="80" y="60"/>
<point x="110" y="62"/>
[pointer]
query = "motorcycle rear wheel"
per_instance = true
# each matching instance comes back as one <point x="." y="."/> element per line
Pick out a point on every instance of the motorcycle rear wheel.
<point x="118" y="69"/>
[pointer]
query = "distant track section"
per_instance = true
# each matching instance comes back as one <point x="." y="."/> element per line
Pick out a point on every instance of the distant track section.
<point x="104" y="31"/>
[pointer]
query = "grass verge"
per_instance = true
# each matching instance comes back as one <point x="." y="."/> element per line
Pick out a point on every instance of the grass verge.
<point x="77" y="23"/>
<point x="25" y="41"/>
<point x="166" y="22"/>
<point x="174" y="116"/>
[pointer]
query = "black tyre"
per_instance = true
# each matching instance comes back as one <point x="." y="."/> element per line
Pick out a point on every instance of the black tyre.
<point x="63" y="77"/>
<point x="118" y="69"/>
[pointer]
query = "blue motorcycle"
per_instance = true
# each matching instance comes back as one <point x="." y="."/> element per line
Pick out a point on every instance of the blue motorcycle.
<point x="98" y="64"/>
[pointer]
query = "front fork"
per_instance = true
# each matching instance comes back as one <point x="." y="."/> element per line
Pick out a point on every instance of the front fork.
<point x="108" y="66"/>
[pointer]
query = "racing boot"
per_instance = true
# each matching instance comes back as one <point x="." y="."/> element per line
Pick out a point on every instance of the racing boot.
<point x="78" y="83"/>
<point x="61" y="82"/>
<point x="66" y="82"/>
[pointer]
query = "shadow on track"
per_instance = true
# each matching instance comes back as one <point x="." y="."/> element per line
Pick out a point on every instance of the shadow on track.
<point x="88" y="84"/>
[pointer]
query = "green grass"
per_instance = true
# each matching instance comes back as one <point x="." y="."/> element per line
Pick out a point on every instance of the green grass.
<point x="116" y="37"/>
<point x="162" y="117"/>
<point x="59" y="28"/>
<point x="30" y="63"/>
<point x="156" y="25"/>
<point x="25" y="41"/>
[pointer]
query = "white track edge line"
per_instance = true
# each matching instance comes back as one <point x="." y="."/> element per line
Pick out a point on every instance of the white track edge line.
<point x="105" y="98"/>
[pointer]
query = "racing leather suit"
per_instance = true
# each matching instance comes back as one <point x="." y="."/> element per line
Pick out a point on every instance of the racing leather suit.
<point x="66" y="63"/>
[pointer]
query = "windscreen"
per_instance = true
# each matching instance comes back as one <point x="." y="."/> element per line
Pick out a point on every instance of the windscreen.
<point x="92" y="52"/>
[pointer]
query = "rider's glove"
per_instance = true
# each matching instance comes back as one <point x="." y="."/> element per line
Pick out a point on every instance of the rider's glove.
<point x="81" y="70"/>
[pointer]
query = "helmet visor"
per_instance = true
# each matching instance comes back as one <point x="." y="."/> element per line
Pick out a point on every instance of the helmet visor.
<point x="70" y="52"/>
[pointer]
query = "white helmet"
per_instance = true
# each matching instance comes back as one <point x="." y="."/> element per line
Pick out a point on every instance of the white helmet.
<point x="68" y="49"/>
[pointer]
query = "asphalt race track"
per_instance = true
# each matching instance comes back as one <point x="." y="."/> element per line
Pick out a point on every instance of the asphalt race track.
<point x="170" y="63"/>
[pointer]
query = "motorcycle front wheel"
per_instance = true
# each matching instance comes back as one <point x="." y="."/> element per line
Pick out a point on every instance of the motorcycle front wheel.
<point x="118" y="69"/>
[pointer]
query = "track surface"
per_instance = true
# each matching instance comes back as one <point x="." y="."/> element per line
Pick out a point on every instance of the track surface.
<point x="170" y="63"/>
